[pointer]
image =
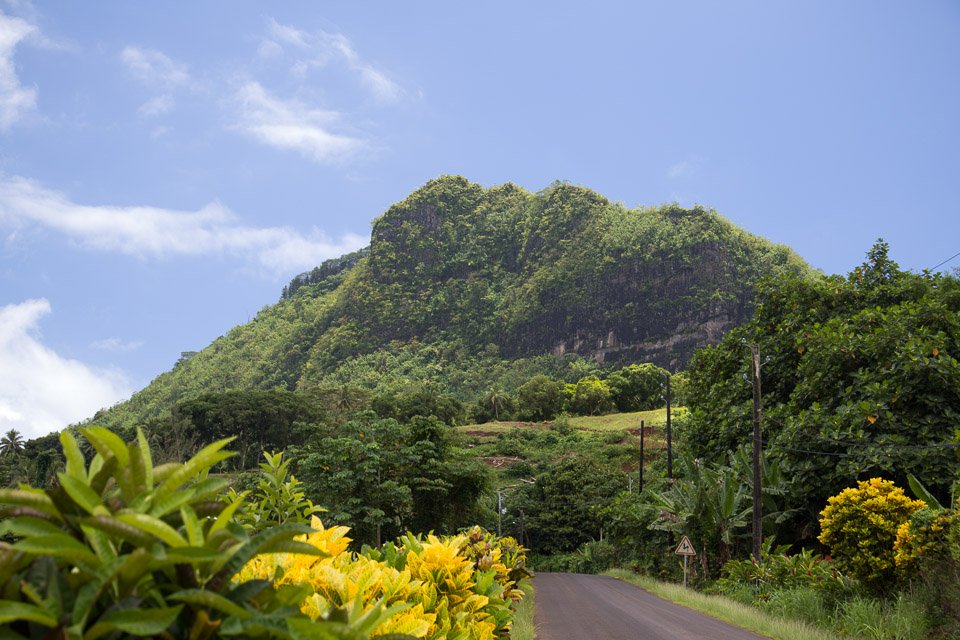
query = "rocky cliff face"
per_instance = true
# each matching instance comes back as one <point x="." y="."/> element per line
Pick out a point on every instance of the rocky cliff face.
<point x="457" y="272"/>
<point x="561" y="271"/>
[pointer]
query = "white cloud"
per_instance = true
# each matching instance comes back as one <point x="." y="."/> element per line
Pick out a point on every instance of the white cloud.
<point x="292" y="125"/>
<point x="157" y="106"/>
<point x="154" y="69"/>
<point x="152" y="232"/>
<point x="116" y="345"/>
<point x="320" y="48"/>
<point x="687" y="167"/>
<point x="15" y="100"/>
<point x="40" y="390"/>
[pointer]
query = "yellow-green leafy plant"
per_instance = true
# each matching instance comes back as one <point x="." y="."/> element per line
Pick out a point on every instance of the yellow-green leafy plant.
<point x="860" y="526"/>
<point x="923" y="537"/>
<point x="119" y="547"/>
<point x="458" y="588"/>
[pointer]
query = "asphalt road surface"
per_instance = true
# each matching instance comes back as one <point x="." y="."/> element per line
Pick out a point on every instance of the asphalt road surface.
<point x="572" y="606"/>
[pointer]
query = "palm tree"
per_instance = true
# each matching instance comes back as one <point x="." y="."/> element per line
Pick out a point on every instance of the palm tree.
<point x="11" y="444"/>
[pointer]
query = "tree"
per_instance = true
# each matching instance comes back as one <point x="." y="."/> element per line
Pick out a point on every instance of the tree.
<point x="860" y="379"/>
<point x="11" y="443"/>
<point x="539" y="398"/>
<point x="590" y="396"/>
<point x="637" y="387"/>
<point x="564" y="508"/>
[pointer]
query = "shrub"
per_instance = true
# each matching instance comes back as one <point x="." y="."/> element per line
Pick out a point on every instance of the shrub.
<point x="860" y="526"/>
<point x="451" y="587"/>
<point x="122" y="547"/>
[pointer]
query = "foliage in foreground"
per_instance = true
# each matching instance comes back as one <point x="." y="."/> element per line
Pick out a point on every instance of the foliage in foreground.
<point x="119" y="546"/>
<point x="122" y="548"/>
<point x="456" y="587"/>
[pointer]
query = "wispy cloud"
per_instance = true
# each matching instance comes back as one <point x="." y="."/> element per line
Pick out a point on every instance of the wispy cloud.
<point x="15" y="99"/>
<point x="152" y="232"/>
<point x="685" y="168"/>
<point x="40" y="390"/>
<point x="292" y="125"/>
<point x="319" y="49"/>
<point x="116" y="345"/>
<point x="157" y="71"/>
<point x="154" y="68"/>
<point x="157" y="106"/>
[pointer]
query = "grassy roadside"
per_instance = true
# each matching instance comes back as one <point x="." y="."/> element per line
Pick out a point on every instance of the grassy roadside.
<point x="522" y="628"/>
<point x="735" y="613"/>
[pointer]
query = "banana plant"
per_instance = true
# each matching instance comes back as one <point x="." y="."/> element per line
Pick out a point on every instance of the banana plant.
<point x="119" y="547"/>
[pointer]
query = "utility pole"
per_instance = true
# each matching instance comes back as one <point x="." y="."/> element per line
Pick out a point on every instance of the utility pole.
<point x="757" y="505"/>
<point x="669" y="436"/>
<point x="499" y="510"/>
<point x="640" y="489"/>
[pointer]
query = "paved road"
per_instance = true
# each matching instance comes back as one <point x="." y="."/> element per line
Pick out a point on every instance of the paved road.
<point x="572" y="606"/>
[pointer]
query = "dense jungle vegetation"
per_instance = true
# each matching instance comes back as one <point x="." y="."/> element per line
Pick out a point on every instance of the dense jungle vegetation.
<point x="489" y="360"/>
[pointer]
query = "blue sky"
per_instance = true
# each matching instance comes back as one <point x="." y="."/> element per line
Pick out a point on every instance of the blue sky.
<point x="165" y="168"/>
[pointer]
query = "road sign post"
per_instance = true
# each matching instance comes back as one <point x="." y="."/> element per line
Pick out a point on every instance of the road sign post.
<point x="685" y="549"/>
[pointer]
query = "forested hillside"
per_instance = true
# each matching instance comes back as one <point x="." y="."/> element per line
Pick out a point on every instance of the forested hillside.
<point x="501" y="282"/>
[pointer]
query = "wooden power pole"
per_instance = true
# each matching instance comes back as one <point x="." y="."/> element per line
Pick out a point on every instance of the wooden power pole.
<point x="757" y="501"/>
<point x="640" y="490"/>
<point x="669" y="436"/>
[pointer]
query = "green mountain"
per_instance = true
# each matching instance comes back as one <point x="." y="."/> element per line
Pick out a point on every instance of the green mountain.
<point x="463" y="288"/>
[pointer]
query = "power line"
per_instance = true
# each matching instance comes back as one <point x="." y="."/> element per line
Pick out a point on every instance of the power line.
<point x="944" y="262"/>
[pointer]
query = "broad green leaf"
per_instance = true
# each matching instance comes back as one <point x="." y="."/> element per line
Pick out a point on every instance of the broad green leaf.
<point x="59" y="545"/>
<point x="12" y="611"/>
<point x="90" y="592"/>
<point x="100" y="542"/>
<point x="138" y="622"/>
<point x="153" y="526"/>
<point x="255" y="545"/>
<point x="922" y="493"/>
<point x="210" y="488"/>
<point x="118" y="529"/>
<point x="147" y="458"/>
<point x="81" y="493"/>
<point x="137" y="470"/>
<point x="227" y="514"/>
<point x="160" y="473"/>
<point x="189" y="555"/>
<point x="34" y="498"/>
<point x="107" y="443"/>
<point x="203" y="460"/>
<point x="76" y="467"/>
<point x="210" y="600"/>
<point x="294" y="546"/>
<point x="192" y="526"/>
<point x="23" y="526"/>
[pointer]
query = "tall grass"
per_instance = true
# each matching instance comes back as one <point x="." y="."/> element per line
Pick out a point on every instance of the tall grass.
<point x="736" y="613"/>
<point x="523" y="627"/>
<point x="901" y="619"/>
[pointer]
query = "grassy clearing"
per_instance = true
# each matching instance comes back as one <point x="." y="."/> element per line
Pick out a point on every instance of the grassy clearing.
<point x="523" y="628"/>
<point x="741" y="615"/>
<point x="609" y="422"/>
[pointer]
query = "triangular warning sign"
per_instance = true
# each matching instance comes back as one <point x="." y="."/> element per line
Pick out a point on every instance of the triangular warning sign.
<point x="685" y="548"/>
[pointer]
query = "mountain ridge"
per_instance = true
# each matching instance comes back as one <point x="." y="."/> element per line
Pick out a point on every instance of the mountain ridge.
<point x="457" y="272"/>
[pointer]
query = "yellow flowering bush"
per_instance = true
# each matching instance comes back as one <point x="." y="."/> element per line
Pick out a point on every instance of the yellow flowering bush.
<point x="431" y="587"/>
<point x="860" y="525"/>
<point x="923" y="536"/>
